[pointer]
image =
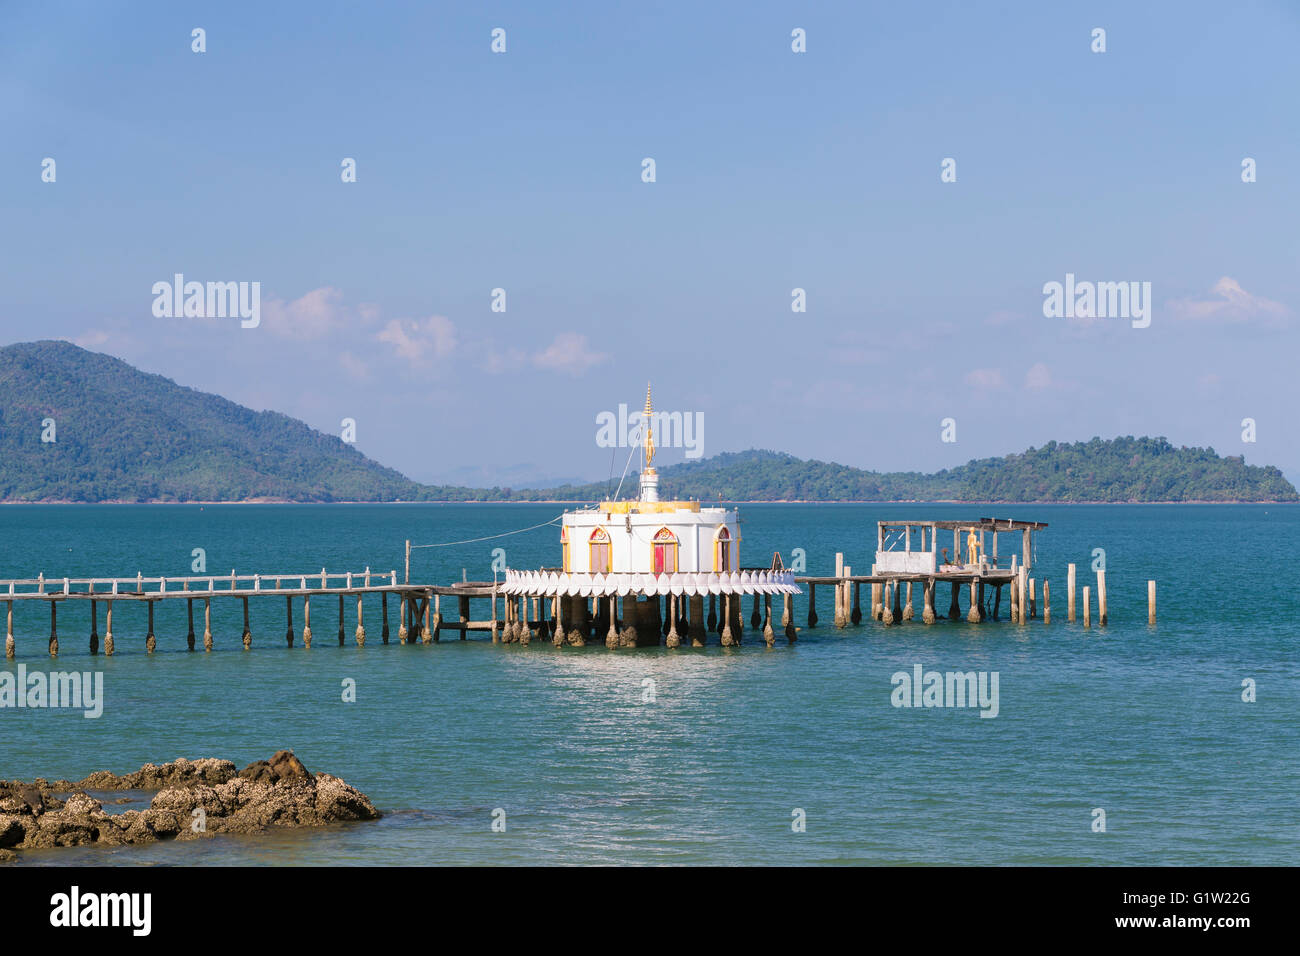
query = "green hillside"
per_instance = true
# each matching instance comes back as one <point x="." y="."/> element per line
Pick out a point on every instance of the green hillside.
<point x="1119" y="470"/>
<point x="124" y="435"/>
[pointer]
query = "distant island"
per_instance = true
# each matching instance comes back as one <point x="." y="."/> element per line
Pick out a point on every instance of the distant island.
<point x="186" y="445"/>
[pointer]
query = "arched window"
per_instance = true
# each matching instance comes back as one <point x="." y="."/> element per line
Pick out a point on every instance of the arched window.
<point x="564" y="548"/>
<point x="664" y="552"/>
<point x="599" y="550"/>
<point x="722" y="550"/>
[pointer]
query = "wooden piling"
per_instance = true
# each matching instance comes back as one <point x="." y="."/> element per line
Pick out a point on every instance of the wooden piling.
<point x="383" y="630"/>
<point x="340" y="620"/>
<point x="846" y="597"/>
<point x="1087" y="606"/>
<point x="248" y="634"/>
<point x="94" y="626"/>
<point x="728" y="638"/>
<point x="149" y="641"/>
<point x="1101" y="598"/>
<point x="189" y="617"/>
<point x="1047" y="602"/>
<point x="755" y="619"/>
<point x="559" y="636"/>
<point x="108" y="630"/>
<point x="927" y="613"/>
<point x="360" y="634"/>
<point x="954" y="609"/>
<point x="877" y="601"/>
<point x="840" y="618"/>
<point x="855" y="614"/>
<point x="306" y="621"/>
<point x="973" y="614"/>
<point x="525" y="628"/>
<point x="402" y="633"/>
<point x="1033" y="602"/>
<point x="812" y="605"/>
<point x="1151" y="603"/>
<point x="10" y="648"/>
<point x="907" y="606"/>
<point x="54" y="630"/>
<point x="769" y="635"/>
<point x="1069" y="593"/>
<point x="288" y="613"/>
<point x="1022" y="595"/>
<point x="494" y="615"/>
<point x="1015" y="600"/>
<point x="426" y="631"/>
<point x="787" y="616"/>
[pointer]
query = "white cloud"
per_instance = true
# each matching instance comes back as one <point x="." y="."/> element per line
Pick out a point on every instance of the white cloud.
<point x="309" y="317"/>
<point x="1038" y="376"/>
<point x="1228" y="301"/>
<point x="569" y="353"/>
<point x="417" y="339"/>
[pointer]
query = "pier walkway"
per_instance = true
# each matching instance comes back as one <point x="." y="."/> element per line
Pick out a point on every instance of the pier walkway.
<point x="519" y="619"/>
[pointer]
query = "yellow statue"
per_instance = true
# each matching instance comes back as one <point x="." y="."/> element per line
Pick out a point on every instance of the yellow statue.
<point x="972" y="548"/>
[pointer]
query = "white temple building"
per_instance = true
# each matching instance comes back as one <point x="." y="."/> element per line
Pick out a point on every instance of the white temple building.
<point x="647" y="551"/>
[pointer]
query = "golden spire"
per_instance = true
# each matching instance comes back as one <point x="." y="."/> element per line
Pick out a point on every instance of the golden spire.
<point x="649" y="431"/>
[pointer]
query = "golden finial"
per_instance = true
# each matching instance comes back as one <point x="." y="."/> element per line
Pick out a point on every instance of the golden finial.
<point x="649" y="431"/>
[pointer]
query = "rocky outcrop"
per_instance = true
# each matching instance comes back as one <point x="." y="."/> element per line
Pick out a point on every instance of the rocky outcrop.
<point x="178" y="773"/>
<point x="195" y="798"/>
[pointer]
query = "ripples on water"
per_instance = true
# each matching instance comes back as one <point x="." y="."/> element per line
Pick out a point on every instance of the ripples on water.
<point x="1146" y="724"/>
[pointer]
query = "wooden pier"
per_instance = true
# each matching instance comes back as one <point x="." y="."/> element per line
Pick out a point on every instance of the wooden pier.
<point x="900" y="578"/>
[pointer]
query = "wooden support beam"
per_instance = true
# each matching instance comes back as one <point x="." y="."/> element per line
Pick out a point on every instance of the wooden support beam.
<point x="1069" y="593"/>
<point x="1022" y="593"/>
<point x="1102" y="616"/>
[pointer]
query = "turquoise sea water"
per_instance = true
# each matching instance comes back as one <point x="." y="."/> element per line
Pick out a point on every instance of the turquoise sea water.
<point x="1146" y="723"/>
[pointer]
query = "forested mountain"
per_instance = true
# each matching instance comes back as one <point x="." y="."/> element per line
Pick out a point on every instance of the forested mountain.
<point x="1117" y="470"/>
<point x="125" y="435"/>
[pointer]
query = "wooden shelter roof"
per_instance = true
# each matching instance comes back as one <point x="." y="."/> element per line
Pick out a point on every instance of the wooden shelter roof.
<point x="983" y="524"/>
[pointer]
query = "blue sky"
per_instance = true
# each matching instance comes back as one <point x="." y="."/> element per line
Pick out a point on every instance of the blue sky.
<point x="774" y="170"/>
